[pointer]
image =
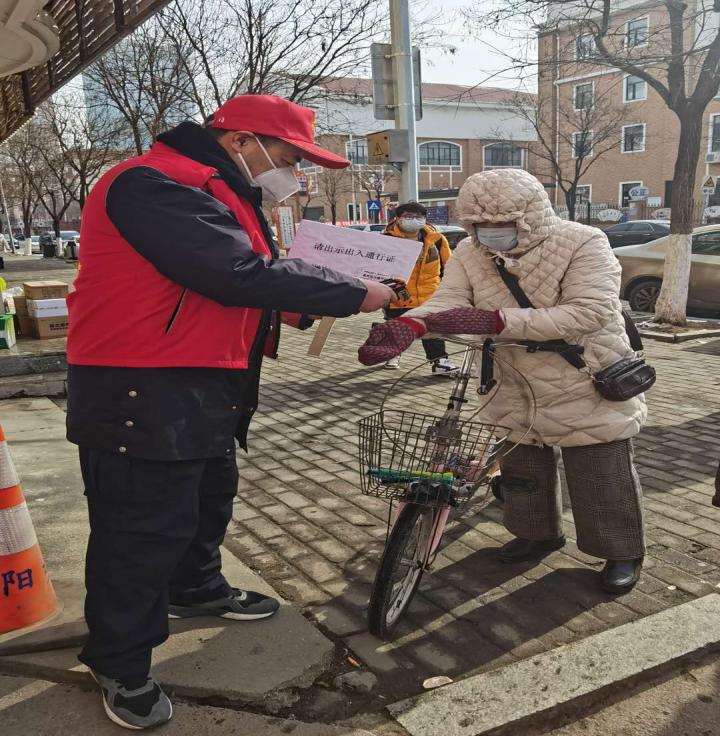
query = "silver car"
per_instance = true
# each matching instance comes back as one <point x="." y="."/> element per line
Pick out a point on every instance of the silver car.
<point x="642" y="272"/>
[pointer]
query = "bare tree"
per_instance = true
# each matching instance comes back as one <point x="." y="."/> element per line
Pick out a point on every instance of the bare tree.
<point x="20" y="163"/>
<point x="573" y="133"/>
<point x="142" y="81"/>
<point x="283" y="47"/>
<point x="374" y="180"/>
<point x="678" y="58"/>
<point x="56" y="186"/>
<point x="332" y="184"/>
<point x="86" y="138"/>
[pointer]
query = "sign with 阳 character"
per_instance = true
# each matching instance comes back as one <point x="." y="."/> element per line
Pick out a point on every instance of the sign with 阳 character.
<point x="364" y="255"/>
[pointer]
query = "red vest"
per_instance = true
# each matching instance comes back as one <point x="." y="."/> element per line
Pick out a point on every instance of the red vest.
<point x="121" y="306"/>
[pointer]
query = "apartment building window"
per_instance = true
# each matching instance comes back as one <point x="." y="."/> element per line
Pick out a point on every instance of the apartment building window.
<point x="585" y="47"/>
<point x="715" y="132"/>
<point x="584" y="96"/>
<point x="633" y="140"/>
<point x="635" y="89"/>
<point x="637" y="33"/>
<point x="582" y="144"/>
<point x="440" y="153"/>
<point x="503" y="155"/>
<point x="357" y="151"/>
<point x="583" y="194"/>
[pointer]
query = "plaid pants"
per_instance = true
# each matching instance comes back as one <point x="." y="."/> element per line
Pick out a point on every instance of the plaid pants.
<point x="605" y="496"/>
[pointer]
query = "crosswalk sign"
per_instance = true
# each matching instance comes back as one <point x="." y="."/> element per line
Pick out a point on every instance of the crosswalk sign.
<point x="374" y="205"/>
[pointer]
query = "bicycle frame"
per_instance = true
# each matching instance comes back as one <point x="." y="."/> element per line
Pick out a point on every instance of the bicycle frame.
<point x="446" y="426"/>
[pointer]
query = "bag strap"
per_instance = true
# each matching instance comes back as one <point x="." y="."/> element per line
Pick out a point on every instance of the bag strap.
<point x="636" y="342"/>
<point x="571" y="353"/>
<point x="513" y="283"/>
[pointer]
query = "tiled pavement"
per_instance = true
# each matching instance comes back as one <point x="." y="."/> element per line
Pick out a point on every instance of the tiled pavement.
<point x="300" y="519"/>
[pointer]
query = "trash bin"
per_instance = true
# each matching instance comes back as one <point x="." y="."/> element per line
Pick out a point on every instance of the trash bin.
<point x="47" y="245"/>
<point x="71" y="250"/>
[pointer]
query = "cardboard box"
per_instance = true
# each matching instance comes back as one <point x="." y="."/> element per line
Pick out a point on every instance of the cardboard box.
<point x="47" y="308"/>
<point x="24" y="325"/>
<point x="47" y="327"/>
<point x="20" y="305"/>
<point x="7" y="331"/>
<point x="45" y="289"/>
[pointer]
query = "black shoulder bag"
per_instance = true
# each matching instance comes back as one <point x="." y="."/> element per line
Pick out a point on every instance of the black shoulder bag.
<point x="620" y="381"/>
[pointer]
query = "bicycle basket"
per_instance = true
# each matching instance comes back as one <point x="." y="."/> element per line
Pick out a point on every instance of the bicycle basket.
<point x="427" y="459"/>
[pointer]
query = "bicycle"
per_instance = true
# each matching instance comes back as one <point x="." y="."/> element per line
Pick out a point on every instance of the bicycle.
<point x="432" y="466"/>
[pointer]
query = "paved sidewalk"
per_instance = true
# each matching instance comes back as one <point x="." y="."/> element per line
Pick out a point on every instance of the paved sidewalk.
<point x="301" y="521"/>
<point x="246" y="662"/>
<point x="40" y="708"/>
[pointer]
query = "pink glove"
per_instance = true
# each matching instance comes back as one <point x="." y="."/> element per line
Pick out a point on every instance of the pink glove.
<point x="389" y="339"/>
<point x="465" y="321"/>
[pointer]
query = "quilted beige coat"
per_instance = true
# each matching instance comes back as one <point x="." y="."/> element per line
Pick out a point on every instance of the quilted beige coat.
<point x="573" y="280"/>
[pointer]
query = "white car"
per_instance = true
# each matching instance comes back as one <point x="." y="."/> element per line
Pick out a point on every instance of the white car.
<point x="643" y="265"/>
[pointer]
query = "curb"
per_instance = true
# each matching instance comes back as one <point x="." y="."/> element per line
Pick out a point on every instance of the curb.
<point x="570" y="678"/>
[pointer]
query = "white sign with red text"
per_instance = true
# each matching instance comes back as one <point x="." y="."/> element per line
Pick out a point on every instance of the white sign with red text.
<point x="365" y="255"/>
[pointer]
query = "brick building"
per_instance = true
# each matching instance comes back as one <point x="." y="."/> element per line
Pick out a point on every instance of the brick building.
<point x="642" y="151"/>
<point x="463" y="130"/>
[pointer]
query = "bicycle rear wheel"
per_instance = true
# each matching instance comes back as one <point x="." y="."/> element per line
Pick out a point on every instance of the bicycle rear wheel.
<point x="401" y="567"/>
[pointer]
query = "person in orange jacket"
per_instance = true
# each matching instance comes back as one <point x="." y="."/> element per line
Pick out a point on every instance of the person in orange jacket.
<point x="410" y="223"/>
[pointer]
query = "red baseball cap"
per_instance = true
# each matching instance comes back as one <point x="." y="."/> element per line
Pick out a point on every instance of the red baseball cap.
<point x="277" y="118"/>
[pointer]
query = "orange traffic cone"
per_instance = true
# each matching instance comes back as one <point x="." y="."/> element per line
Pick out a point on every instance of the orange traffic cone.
<point x="26" y="593"/>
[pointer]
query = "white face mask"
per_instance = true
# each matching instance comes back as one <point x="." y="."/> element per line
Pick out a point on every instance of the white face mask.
<point x="408" y="225"/>
<point x="277" y="183"/>
<point x="499" y="239"/>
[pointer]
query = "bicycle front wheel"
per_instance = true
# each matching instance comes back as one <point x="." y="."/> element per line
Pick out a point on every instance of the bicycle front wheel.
<point x="401" y="567"/>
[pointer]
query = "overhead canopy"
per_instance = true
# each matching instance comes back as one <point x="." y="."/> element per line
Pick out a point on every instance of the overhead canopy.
<point x="86" y="28"/>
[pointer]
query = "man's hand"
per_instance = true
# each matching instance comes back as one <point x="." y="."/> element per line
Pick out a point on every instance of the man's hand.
<point x="465" y="321"/>
<point x="378" y="296"/>
<point x="389" y="339"/>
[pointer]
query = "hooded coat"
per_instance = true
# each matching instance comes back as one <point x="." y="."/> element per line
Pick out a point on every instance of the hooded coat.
<point x="572" y="278"/>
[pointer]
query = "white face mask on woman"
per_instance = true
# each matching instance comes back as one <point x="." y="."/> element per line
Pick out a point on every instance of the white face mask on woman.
<point x="277" y="184"/>
<point x="498" y="239"/>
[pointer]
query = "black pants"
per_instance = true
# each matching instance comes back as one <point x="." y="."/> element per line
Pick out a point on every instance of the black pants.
<point x="434" y="348"/>
<point x="155" y="534"/>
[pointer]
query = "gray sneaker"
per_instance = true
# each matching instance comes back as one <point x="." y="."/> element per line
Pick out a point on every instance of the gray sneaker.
<point x="240" y="605"/>
<point x="134" y="705"/>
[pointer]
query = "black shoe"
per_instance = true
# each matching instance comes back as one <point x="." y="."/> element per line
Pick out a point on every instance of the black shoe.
<point x="241" y="605"/>
<point x="134" y="705"/>
<point x="519" y="550"/>
<point x="620" y="576"/>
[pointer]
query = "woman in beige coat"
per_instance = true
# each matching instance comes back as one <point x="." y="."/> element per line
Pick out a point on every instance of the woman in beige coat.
<point x="572" y="279"/>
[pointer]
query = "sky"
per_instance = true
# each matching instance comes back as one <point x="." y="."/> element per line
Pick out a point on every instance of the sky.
<point x="477" y="61"/>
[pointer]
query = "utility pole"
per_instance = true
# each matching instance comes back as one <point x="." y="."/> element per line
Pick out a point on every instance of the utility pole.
<point x="404" y="94"/>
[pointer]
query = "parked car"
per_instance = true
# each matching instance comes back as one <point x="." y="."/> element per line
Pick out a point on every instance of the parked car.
<point x="373" y="228"/>
<point x="453" y="233"/>
<point x="35" y="239"/>
<point x="67" y="235"/>
<point x="642" y="271"/>
<point x="636" y="232"/>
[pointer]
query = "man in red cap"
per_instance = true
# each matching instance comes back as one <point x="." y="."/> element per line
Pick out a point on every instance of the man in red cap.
<point x="179" y="295"/>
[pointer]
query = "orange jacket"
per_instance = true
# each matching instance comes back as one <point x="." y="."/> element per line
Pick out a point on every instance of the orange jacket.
<point x="430" y="265"/>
